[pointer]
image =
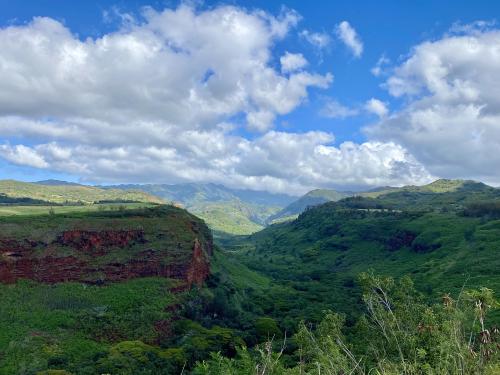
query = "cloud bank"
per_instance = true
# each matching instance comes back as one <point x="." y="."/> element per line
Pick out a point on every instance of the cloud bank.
<point x="451" y="123"/>
<point x="162" y="99"/>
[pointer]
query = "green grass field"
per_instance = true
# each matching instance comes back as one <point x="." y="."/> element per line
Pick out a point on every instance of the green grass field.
<point x="62" y="194"/>
<point x="45" y="210"/>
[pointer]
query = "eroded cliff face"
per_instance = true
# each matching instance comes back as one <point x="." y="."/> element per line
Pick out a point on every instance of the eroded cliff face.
<point x="166" y="248"/>
<point x="100" y="242"/>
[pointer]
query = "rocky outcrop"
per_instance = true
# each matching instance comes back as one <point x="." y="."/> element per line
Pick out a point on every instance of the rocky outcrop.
<point x="17" y="262"/>
<point x="99" y="242"/>
<point x="149" y="263"/>
<point x="47" y="269"/>
<point x="112" y="255"/>
<point x="199" y="267"/>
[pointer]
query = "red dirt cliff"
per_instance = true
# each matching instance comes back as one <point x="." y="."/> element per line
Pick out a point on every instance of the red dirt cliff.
<point x="78" y="255"/>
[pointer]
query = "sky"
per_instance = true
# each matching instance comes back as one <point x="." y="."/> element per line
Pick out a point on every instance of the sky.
<point x="265" y="95"/>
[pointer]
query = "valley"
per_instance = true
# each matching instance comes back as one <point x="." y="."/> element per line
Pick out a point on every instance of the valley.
<point x="124" y="281"/>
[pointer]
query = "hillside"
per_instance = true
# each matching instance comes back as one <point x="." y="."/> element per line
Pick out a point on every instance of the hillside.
<point x="442" y="240"/>
<point x="57" y="183"/>
<point x="440" y="194"/>
<point x="104" y="246"/>
<point x="69" y="193"/>
<point x="311" y="199"/>
<point x="233" y="217"/>
<point x="81" y="291"/>
<point x="438" y="186"/>
<point x="226" y="210"/>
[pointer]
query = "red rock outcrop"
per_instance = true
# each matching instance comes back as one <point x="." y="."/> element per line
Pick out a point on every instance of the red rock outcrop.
<point x="150" y="263"/>
<point x="199" y="267"/>
<point x="99" y="242"/>
<point x="40" y="262"/>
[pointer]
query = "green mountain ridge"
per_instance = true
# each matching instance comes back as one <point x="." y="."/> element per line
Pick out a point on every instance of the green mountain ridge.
<point x="310" y="199"/>
<point x="443" y="239"/>
<point x="226" y="210"/>
<point x="70" y="193"/>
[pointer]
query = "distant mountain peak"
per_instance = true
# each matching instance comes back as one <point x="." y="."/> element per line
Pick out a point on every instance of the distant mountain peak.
<point x="444" y="185"/>
<point x="52" y="182"/>
<point x="312" y="198"/>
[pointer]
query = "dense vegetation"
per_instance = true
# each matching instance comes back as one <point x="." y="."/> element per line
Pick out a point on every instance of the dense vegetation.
<point x="398" y="333"/>
<point x="77" y="327"/>
<point x="315" y="259"/>
<point x="300" y="297"/>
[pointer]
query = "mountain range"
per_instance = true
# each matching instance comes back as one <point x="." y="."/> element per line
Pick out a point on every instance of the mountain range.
<point x="227" y="210"/>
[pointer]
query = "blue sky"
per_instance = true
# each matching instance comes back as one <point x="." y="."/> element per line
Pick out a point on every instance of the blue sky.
<point x="393" y="30"/>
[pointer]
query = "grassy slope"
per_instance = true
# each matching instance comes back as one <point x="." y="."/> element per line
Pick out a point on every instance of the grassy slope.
<point x="234" y="217"/>
<point x="76" y="326"/>
<point x="36" y="210"/>
<point x="438" y="186"/>
<point x="315" y="260"/>
<point x="73" y="326"/>
<point x="71" y="193"/>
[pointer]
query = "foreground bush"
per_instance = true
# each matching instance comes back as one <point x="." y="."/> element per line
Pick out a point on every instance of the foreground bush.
<point x="399" y="334"/>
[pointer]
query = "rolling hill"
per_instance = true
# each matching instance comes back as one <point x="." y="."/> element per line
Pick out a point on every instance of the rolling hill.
<point x="460" y="191"/>
<point x="69" y="193"/>
<point x="443" y="235"/>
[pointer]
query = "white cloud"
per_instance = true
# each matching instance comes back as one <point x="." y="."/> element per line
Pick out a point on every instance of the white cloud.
<point x="182" y="66"/>
<point x="334" y="109"/>
<point x="156" y="101"/>
<point x="377" y="107"/>
<point x="452" y="120"/>
<point x="379" y="67"/>
<point x="349" y="36"/>
<point x="22" y="155"/>
<point x="318" y="40"/>
<point x="277" y="161"/>
<point x="475" y="27"/>
<point x="291" y="62"/>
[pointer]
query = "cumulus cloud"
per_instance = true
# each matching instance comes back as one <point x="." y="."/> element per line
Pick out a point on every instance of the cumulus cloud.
<point x="376" y="107"/>
<point x="277" y="161"/>
<point x="156" y="101"/>
<point x="291" y="62"/>
<point x="348" y="35"/>
<point x="179" y="66"/>
<point x="22" y="155"/>
<point x="452" y="120"/>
